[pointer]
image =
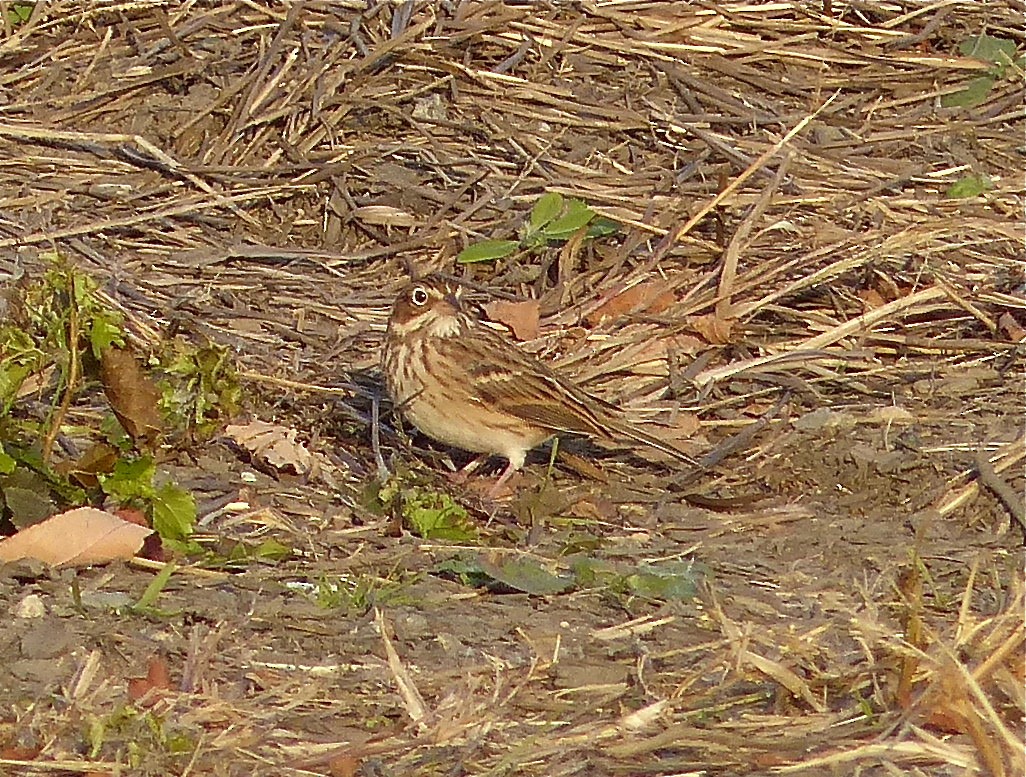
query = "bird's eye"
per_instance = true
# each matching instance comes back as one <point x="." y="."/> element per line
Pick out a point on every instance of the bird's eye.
<point x="419" y="296"/>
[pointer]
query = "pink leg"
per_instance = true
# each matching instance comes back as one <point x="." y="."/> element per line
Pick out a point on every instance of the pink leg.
<point x="498" y="484"/>
<point x="460" y="476"/>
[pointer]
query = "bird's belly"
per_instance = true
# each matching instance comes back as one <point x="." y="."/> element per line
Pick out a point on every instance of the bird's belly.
<point x="474" y="428"/>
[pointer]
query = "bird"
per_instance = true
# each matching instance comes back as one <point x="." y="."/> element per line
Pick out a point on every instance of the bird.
<point x="462" y="383"/>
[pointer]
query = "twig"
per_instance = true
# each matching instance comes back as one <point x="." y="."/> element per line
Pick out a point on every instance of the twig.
<point x="73" y="370"/>
<point x="383" y="472"/>
<point x="1004" y="492"/>
<point x="752" y="168"/>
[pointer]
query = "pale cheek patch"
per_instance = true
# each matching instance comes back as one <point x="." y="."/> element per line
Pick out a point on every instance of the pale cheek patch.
<point x="443" y="326"/>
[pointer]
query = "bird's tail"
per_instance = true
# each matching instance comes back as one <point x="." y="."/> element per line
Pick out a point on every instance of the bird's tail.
<point x="633" y="433"/>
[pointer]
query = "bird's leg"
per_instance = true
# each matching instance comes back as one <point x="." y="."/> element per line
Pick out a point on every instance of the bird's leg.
<point x="496" y="488"/>
<point x="460" y="476"/>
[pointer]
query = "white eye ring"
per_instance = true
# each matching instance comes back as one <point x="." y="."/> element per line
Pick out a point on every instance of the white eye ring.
<point x="419" y="296"/>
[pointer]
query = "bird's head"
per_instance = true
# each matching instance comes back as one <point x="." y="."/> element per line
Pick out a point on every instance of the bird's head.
<point x="430" y="306"/>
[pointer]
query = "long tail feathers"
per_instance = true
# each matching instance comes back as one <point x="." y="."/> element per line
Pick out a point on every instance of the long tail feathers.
<point x="660" y="445"/>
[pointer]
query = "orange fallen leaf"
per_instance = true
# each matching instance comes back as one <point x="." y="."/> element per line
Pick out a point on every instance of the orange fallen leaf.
<point x="521" y="317"/>
<point x="78" y="537"/>
<point x="714" y="329"/>
<point x="650" y="297"/>
<point x="344" y="766"/>
<point x="872" y="299"/>
<point x="16" y="753"/>
<point x="157" y="678"/>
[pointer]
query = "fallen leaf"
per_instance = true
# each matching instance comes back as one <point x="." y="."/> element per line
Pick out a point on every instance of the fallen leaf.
<point x="132" y="394"/>
<point x="521" y="317"/>
<point x="35" y="382"/>
<point x="98" y="459"/>
<point x="524" y="574"/>
<point x="651" y="297"/>
<point x="385" y="215"/>
<point x="344" y="766"/>
<point x="686" y="425"/>
<point x="1011" y="327"/>
<point x="17" y="753"/>
<point x="275" y="445"/>
<point x="157" y="678"/>
<point x="25" y="493"/>
<point x="153" y="546"/>
<point x="871" y="299"/>
<point x="132" y="515"/>
<point x="892" y="415"/>
<point x="685" y="345"/>
<point x="714" y="329"/>
<point x="78" y="537"/>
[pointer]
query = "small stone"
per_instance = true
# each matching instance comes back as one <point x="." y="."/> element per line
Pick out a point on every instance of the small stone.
<point x="30" y="607"/>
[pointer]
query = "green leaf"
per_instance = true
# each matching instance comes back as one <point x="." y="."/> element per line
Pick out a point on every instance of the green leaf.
<point x="1000" y="51"/>
<point x="434" y="515"/>
<point x="7" y="462"/>
<point x="974" y="94"/>
<point x="577" y="215"/>
<point x="103" y="334"/>
<point x="11" y="378"/>
<point x="548" y="207"/>
<point x="527" y="575"/>
<point x="174" y="512"/>
<point x="466" y="570"/>
<point x="487" y="250"/>
<point x="271" y="550"/>
<point x="131" y="479"/>
<point x="969" y="186"/>
<point x="152" y="592"/>
<point x="603" y="227"/>
<point x="19" y="13"/>
<point x="675" y="581"/>
<point x="27" y="497"/>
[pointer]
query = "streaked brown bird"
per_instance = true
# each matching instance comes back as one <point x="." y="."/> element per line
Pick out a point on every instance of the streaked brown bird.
<point x="465" y="385"/>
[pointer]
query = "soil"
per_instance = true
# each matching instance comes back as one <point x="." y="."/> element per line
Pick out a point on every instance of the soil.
<point x="831" y="579"/>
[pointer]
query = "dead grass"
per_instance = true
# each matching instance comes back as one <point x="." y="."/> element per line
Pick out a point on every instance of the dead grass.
<point x="260" y="175"/>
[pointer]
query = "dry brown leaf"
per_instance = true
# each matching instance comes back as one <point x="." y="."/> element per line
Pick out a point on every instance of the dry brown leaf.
<point x="521" y="317"/>
<point x="98" y="459"/>
<point x="132" y="394"/>
<point x="685" y="345"/>
<point x="20" y="753"/>
<point x="872" y="299"/>
<point x="686" y="425"/>
<point x="344" y="766"/>
<point x="273" y="444"/>
<point x="1007" y="323"/>
<point x="650" y="297"/>
<point x="153" y="546"/>
<point x="79" y="538"/>
<point x="385" y="215"/>
<point x="157" y="678"/>
<point x="35" y="382"/>
<point x="714" y="329"/>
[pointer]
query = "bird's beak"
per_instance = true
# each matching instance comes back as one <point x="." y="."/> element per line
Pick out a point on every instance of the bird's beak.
<point x="453" y="300"/>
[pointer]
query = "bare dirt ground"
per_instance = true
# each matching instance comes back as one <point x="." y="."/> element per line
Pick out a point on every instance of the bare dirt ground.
<point x="793" y="293"/>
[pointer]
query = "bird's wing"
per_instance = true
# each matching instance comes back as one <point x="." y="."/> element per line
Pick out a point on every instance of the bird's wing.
<point x="503" y="376"/>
